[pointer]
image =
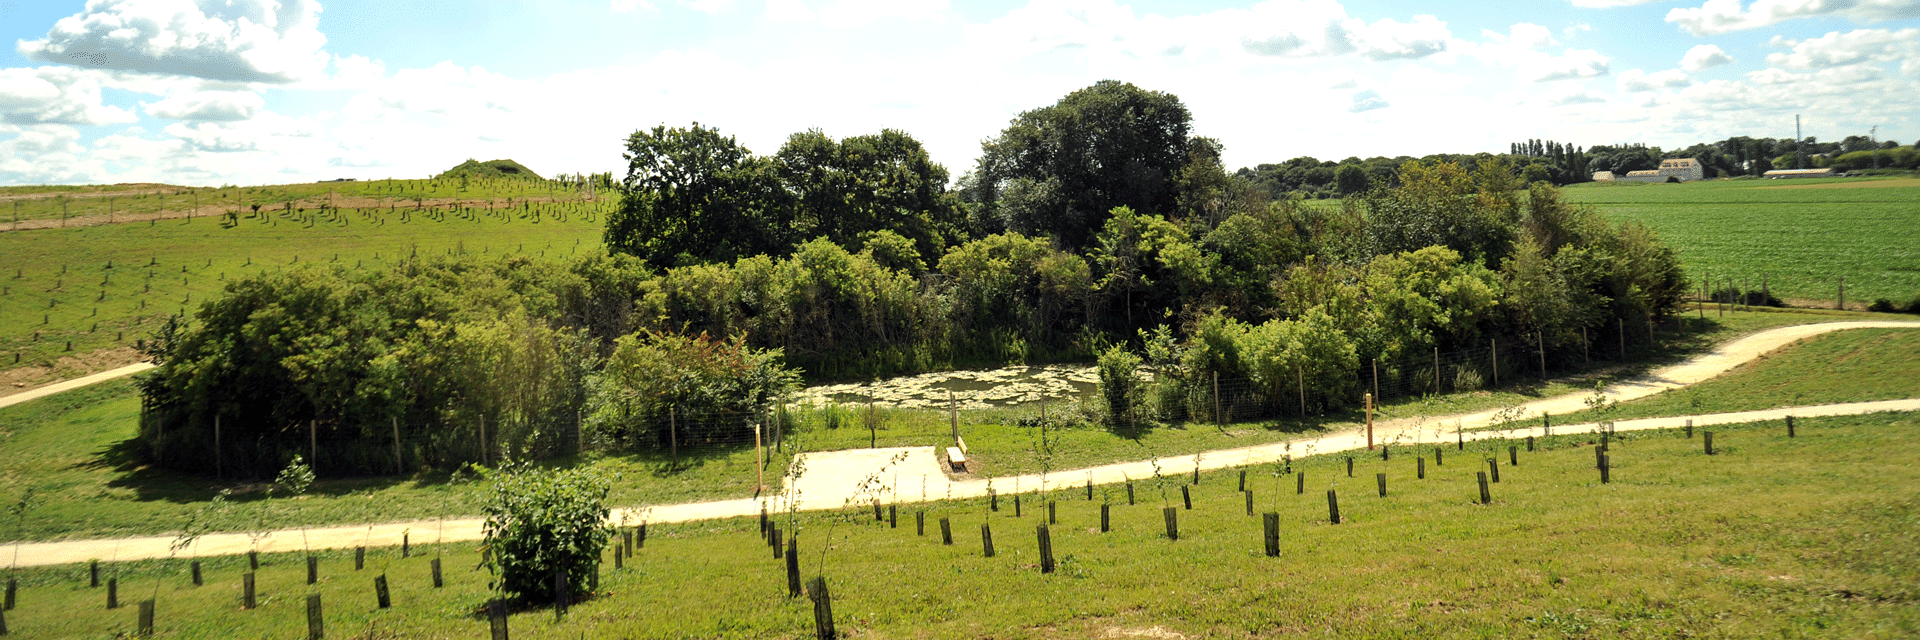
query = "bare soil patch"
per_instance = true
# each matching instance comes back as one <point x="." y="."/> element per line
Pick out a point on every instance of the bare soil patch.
<point x="22" y="379"/>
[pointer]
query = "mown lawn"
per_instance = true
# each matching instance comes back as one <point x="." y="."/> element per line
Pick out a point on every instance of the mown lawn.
<point x="1810" y="537"/>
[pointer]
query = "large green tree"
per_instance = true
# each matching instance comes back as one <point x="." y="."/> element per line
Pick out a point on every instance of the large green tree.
<point x="849" y="190"/>
<point x="1058" y="170"/>
<point x="693" y="195"/>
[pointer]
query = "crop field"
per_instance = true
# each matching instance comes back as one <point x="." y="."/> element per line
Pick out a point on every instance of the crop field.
<point x="1800" y="237"/>
<point x="66" y="293"/>
<point x="1675" y="545"/>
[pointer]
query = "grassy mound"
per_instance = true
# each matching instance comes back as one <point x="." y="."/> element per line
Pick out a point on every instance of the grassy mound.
<point x="490" y="169"/>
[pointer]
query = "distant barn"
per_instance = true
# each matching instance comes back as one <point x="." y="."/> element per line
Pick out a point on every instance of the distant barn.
<point x="1671" y="169"/>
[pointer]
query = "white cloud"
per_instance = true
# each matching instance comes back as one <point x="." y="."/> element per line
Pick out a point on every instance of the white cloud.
<point x="220" y="106"/>
<point x="1724" y="16"/>
<point x="1368" y="100"/>
<point x="1572" y="65"/>
<point x="1574" y="97"/>
<point x="1388" y="39"/>
<point x="1703" y="57"/>
<point x="55" y="95"/>
<point x="1608" y="4"/>
<point x="1837" y="49"/>
<point x="1635" y="80"/>
<point x="44" y="155"/>
<point x="233" y="40"/>
<point x="853" y="14"/>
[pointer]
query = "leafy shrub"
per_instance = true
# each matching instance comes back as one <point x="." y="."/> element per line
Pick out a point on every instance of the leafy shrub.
<point x="541" y="522"/>
<point x="1883" y="305"/>
<point x="651" y="375"/>
<point x="1119" y="382"/>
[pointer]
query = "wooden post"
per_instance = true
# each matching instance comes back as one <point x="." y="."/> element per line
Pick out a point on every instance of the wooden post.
<point x="1219" y="419"/>
<point x="1367" y="399"/>
<point x="1621" y="323"/>
<point x="1172" y="519"/>
<point x="1540" y="339"/>
<point x="313" y="442"/>
<point x="1300" y="373"/>
<point x="1484" y="496"/>
<point x="1381" y="479"/>
<point x="953" y="416"/>
<point x="399" y="463"/>
<point x="1436" y="371"/>
<point x="1493" y="359"/>
<point x="483" y="441"/>
<point x="760" y="465"/>
<point x="1333" y="507"/>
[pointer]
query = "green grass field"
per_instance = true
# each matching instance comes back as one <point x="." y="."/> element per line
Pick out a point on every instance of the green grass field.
<point x="68" y="292"/>
<point x="1801" y="236"/>
<point x="1849" y="366"/>
<point x="1809" y="537"/>
<point x="19" y="204"/>
<point x="76" y="449"/>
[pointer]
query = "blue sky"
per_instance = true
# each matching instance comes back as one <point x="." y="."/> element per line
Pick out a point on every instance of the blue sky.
<point x="212" y="92"/>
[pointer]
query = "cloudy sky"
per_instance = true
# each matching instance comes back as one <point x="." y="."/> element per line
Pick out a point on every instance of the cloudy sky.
<point x="211" y="92"/>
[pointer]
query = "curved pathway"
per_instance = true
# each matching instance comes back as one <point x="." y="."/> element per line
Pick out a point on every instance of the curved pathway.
<point x="832" y="476"/>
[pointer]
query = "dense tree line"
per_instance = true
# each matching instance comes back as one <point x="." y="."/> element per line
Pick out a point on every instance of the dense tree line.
<point x="1094" y="223"/>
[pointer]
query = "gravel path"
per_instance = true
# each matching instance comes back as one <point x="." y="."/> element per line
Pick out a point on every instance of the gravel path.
<point x="833" y="479"/>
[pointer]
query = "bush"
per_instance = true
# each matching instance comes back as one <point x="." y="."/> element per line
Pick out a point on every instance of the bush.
<point x="541" y="522"/>
<point x="1883" y="305"/>
<point x="1119" y="381"/>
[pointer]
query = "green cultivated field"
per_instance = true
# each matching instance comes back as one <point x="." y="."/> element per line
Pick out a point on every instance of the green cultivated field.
<point x="1811" y="537"/>
<point x="109" y="285"/>
<point x="1802" y="235"/>
<point x="70" y="202"/>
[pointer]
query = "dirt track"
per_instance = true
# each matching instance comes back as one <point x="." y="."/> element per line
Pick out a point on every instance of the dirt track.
<point x="832" y="478"/>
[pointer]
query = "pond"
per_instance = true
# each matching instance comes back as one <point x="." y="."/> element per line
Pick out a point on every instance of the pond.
<point x="970" y="389"/>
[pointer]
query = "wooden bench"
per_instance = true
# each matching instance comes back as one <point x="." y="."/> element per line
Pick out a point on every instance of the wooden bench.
<point x="957" y="459"/>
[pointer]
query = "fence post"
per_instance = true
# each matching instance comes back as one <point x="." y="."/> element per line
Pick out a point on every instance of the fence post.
<point x="399" y="463"/>
<point x="1493" y="359"/>
<point x="1540" y="338"/>
<point x="1621" y="324"/>
<point x="1218" y="418"/>
<point x="1367" y="399"/>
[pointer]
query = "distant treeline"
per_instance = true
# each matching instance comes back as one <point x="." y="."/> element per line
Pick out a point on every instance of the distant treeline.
<point x="1095" y="223"/>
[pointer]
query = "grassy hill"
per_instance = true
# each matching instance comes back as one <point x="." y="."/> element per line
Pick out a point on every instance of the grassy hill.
<point x="69" y="295"/>
<point x="495" y="169"/>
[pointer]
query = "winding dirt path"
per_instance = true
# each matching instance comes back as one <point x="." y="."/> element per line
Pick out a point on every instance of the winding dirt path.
<point x="832" y="478"/>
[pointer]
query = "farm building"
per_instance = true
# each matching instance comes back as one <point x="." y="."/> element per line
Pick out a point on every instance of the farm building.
<point x="1680" y="169"/>
<point x="1803" y="173"/>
